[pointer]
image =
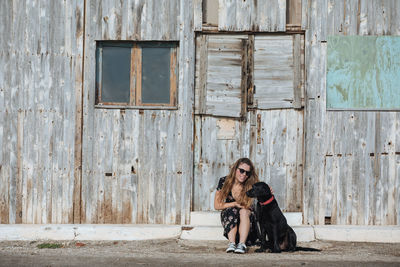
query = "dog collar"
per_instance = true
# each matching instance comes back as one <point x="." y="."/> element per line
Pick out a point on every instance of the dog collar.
<point x="267" y="202"/>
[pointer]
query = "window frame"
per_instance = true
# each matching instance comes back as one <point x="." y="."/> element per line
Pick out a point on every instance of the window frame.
<point x="135" y="79"/>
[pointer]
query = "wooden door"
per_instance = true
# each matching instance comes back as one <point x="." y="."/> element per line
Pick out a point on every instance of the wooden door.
<point x="248" y="93"/>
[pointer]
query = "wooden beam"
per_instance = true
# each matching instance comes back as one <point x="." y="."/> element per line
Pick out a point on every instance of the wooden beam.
<point x="77" y="191"/>
<point x="243" y="111"/>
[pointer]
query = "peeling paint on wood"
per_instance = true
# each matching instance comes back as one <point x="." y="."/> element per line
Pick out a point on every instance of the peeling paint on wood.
<point x="363" y="73"/>
<point x="225" y="129"/>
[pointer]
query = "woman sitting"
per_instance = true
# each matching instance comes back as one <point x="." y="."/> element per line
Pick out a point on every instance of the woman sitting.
<point x="237" y="215"/>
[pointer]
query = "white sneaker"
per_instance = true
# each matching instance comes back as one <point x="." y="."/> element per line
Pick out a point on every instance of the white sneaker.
<point x="231" y="247"/>
<point x="241" y="248"/>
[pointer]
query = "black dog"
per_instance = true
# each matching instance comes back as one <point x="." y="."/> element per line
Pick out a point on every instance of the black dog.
<point x="281" y="236"/>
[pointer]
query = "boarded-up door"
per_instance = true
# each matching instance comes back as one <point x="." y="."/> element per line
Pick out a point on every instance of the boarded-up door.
<point x="248" y="104"/>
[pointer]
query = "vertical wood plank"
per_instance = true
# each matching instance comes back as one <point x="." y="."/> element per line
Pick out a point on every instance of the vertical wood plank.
<point x="244" y="12"/>
<point x="227" y="15"/>
<point x="250" y="71"/>
<point x="198" y="15"/>
<point x="305" y="9"/>
<point x="293" y="160"/>
<point x="314" y="114"/>
<point x="329" y="167"/>
<point x="173" y="76"/>
<point x="201" y="77"/>
<point x="297" y="71"/>
<point x="244" y="77"/>
<point x="19" y="177"/>
<point x="80" y="11"/>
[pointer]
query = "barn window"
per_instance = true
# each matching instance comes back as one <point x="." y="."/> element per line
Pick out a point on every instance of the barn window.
<point x="136" y="74"/>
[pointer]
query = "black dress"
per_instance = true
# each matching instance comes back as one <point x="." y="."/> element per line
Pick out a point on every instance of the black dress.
<point x="230" y="218"/>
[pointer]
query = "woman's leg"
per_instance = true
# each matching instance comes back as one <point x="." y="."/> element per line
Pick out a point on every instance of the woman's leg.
<point x="232" y="235"/>
<point x="244" y="226"/>
<point x="229" y="220"/>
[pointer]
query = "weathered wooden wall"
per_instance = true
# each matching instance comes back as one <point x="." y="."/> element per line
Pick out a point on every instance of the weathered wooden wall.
<point x="272" y="139"/>
<point x="58" y="150"/>
<point x="352" y="159"/>
<point x="40" y="73"/>
<point x="239" y="15"/>
<point x="352" y="171"/>
<point x="278" y="154"/>
<point x="137" y="164"/>
<point x="219" y="142"/>
<point x="63" y="160"/>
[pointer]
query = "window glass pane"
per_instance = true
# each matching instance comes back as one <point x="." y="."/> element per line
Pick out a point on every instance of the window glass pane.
<point x="116" y="64"/>
<point x="156" y="75"/>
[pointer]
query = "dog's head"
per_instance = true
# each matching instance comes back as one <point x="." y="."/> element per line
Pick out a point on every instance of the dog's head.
<point x="260" y="190"/>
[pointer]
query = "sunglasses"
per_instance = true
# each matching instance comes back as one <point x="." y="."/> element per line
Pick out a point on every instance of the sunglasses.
<point x="244" y="171"/>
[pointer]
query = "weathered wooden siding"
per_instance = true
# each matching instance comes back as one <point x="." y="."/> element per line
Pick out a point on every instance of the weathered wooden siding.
<point x="277" y="72"/>
<point x="352" y="158"/>
<point x="273" y="71"/>
<point x="197" y="15"/>
<point x="133" y="20"/>
<point x="40" y="73"/>
<point x="137" y="164"/>
<point x="277" y="139"/>
<point x="272" y="139"/>
<point x="218" y="76"/>
<point x="241" y="15"/>
<point x="219" y="142"/>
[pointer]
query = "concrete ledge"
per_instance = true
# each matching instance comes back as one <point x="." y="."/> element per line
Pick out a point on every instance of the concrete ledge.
<point x="203" y="233"/>
<point x="215" y="233"/>
<point x="13" y="232"/>
<point x="87" y="232"/>
<point x="355" y="233"/>
<point x="305" y="233"/>
<point x="205" y="218"/>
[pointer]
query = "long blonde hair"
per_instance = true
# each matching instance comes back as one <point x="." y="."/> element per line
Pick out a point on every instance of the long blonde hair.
<point x="230" y="179"/>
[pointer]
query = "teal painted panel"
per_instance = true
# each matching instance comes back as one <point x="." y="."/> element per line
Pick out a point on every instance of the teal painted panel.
<point x="363" y="72"/>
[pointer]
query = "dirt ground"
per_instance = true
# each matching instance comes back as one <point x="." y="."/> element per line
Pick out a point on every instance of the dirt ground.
<point x="175" y="252"/>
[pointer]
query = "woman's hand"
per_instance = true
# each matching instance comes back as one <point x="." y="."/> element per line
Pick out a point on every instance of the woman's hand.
<point x="221" y="205"/>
